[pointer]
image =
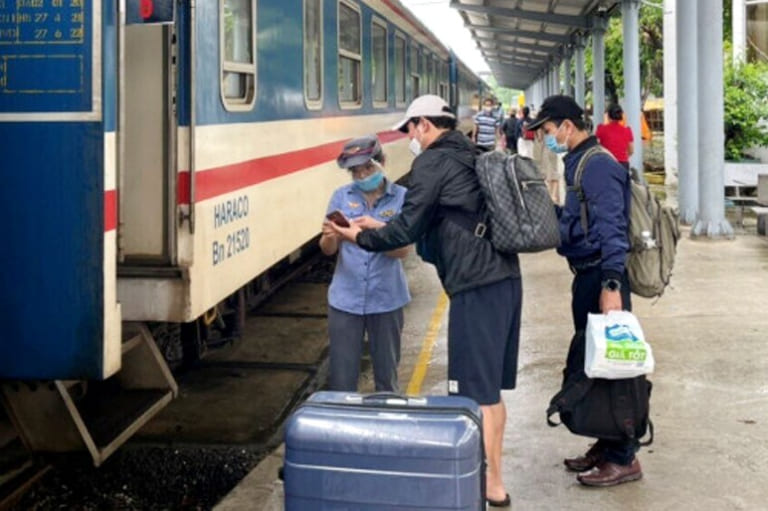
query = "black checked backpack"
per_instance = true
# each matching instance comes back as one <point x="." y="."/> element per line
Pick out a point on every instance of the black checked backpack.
<point x="521" y="214"/>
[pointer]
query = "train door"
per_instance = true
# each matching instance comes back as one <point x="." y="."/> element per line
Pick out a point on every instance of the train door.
<point x="147" y="144"/>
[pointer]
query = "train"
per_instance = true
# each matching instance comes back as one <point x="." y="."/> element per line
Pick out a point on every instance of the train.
<point x="160" y="157"/>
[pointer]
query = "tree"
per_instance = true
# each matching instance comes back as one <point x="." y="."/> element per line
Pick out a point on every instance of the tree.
<point x="651" y="54"/>
<point x="746" y="107"/>
<point x="507" y="97"/>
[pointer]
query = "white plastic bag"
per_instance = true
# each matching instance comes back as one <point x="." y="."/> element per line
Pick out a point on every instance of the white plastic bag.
<point x="616" y="347"/>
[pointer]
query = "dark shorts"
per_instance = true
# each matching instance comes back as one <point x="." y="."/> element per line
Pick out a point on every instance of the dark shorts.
<point x="483" y="340"/>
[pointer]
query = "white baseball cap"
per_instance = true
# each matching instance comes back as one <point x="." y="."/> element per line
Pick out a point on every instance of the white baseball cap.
<point x="427" y="105"/>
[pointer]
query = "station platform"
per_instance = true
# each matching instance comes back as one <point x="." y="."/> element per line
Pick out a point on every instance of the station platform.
<point x="709" y="333"/>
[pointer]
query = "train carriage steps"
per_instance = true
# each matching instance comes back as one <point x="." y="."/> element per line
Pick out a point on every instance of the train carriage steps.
<point x="63" y="416"/>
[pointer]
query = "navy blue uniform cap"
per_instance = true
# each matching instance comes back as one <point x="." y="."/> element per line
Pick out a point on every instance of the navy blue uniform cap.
<point x="359" y="151"/>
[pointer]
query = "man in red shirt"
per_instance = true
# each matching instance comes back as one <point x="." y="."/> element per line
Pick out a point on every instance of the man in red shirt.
<point x="615" y="137"/>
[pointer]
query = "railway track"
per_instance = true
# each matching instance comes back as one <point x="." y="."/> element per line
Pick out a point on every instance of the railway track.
<point x="194" y="452"/>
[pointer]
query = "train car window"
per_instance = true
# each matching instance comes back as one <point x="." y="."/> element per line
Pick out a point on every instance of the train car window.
<point x="415" y="79"/>
<point x="238" y="54"/>
<point x="350" y="56"/>
<point x="400" y="97"/>
<point x="313" y="54"/>
<point x="433" y="70"/>
<point x="379" y="63"/>
<point x="444" y="90"/>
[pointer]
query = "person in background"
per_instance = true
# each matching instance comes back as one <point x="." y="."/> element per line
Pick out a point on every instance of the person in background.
<point x="510" y="128"/>
<point x="548" y="163"/>
<point x="486" y="127"/>
<point x="615" y="137"/>
<point x="498" y="111"/>
<point x="368" y="290"/>
<point x="526" y="137"/>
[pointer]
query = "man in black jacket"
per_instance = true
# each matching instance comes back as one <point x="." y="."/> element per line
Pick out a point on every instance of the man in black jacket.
<point x="443" y="212"/>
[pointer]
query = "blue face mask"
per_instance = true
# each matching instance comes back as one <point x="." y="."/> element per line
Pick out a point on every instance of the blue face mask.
<point x="370" y="183"/>
<point x="551" y="142"/>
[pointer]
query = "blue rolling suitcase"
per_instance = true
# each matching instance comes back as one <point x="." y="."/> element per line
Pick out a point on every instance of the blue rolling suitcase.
<point x="382" y="452"/>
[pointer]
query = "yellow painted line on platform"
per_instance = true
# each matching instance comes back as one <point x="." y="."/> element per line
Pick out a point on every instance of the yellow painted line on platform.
<point x="420" y="370"/>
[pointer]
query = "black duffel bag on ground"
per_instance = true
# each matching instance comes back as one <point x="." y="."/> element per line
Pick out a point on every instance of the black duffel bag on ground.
<point x="606" y="409"/>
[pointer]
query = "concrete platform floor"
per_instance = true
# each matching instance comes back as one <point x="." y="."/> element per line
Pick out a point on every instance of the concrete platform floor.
<point x="710" y="399"/>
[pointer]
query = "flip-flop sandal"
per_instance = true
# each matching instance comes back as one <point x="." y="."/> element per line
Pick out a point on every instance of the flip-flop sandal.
<point x="500" y="503"/>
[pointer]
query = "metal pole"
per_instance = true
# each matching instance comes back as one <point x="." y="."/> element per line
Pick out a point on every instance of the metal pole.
<point x="710" y="220"/>
<point x="739" y="22"/>
<point x="578" y="81"/>
<point x="552" y="81"/>
<point x="630" y="15"/>
<point x="567" y="73"/>
<point x="548" y="80"/>
<point x="687" y="110"/>
<point x="598" y="69"/>
<point x="670" y="95"/>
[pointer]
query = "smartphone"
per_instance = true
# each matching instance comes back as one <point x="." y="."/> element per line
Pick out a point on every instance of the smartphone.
<point x="338" y="218"/>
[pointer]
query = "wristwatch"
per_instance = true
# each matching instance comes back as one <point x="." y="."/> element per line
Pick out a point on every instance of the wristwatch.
<point x="611" y="284"/>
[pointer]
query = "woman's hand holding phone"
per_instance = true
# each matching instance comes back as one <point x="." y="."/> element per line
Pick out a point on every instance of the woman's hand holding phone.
<point x="338" y="218"/>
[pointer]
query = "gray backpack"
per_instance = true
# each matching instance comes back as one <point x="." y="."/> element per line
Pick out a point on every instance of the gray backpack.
<point x="654" y="231"/>
<point x="520" y="211"/>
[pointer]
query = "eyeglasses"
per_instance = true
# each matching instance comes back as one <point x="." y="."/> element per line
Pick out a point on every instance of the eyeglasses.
<point x="370" y="165"/>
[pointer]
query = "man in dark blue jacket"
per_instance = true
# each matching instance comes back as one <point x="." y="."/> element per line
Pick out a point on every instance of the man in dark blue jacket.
<point x="597" y="260"/>
<point x="442" y="209"/>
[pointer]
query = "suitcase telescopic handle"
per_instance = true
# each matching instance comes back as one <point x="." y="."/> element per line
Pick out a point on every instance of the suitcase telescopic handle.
<point x="392" y="398"/>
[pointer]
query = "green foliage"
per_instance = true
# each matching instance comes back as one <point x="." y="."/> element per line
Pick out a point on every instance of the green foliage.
<point x="508" y="97"/>
<point x="746" y="107"/>
<point x="651" y="53"/>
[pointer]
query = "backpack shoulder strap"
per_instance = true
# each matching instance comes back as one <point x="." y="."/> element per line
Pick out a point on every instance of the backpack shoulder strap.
<point x="573" y="391"/>
<point x="582" y="165"/>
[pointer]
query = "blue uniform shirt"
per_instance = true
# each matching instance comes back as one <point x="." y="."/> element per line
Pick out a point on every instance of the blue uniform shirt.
<point x="367" y="282"/>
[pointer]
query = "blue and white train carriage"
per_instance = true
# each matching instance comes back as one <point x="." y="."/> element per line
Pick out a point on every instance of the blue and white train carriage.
<point x="157" y="157"/>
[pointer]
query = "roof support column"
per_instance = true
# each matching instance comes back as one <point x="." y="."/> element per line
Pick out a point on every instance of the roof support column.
<point x="551" y="78"/>
<point x="567" y="73"/>
<point x="670" y="94"/>
<point x="630" y="16"/>
<point x="710" y="220"/>
<point x="579" y="81"/>
<point x="739" y="22"/>
<point x="687" y="110"/>
<point x="598" y="69"/>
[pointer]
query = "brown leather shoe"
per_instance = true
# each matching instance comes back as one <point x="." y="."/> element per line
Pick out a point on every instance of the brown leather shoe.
<point x="583" y="463"/>
<point x="611" y="474"/>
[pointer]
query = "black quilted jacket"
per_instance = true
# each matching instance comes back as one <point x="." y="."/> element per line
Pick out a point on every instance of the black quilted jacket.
<point x="441" y="182"/>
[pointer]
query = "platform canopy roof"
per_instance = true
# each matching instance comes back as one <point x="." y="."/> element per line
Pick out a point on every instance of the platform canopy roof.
<point x="521" y="38"/>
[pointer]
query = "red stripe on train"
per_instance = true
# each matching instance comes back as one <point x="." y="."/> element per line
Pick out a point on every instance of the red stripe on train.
<point x="217" y="181"/>
<point x="110" y="210"/>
